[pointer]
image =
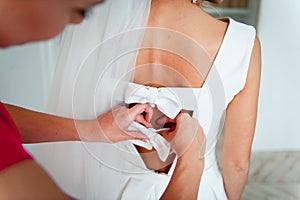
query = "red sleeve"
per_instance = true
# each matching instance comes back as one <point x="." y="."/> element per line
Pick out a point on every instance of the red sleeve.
<point x="11" y="149"/>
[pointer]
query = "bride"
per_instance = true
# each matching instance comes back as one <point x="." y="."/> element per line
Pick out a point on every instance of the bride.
<point x="177" y="58"/>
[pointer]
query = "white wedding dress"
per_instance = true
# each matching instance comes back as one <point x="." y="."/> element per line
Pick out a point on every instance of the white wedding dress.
<point x="85" y="87"/>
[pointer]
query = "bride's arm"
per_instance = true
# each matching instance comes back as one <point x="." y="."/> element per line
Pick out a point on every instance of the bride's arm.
<point x="110" y="127"/>
<point x="239" y="130"/>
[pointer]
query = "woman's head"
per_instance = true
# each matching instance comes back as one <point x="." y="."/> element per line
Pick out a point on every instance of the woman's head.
<point x="30" y="20"/>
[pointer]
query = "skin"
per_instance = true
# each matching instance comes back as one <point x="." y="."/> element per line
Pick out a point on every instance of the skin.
<point x="109" y="127"/>
<point x="239" y="130"/>
<point x="241" y="113"/>
<point x="27" y="180"/>
<point x="189" y="20"/>
<point x="47" y="18"/>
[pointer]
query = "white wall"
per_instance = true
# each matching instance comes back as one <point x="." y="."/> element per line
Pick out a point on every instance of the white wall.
<point x="279" y="113"/>
<point x="26" y="73"/>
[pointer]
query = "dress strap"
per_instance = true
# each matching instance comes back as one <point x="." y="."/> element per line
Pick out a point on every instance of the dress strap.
<point x="233" y="62"/>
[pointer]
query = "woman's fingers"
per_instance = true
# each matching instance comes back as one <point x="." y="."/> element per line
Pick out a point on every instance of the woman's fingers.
<point x="141" y="113"/>
<point x="164" y="120"/>
<point x="148" y="113"/>
<point x="183" y="135"/>
<point x="114" y="124"/>
<point x="169" y="135"/>
<point x="140" y="119"/>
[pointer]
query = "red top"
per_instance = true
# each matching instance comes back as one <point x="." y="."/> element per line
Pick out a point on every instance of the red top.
<point x="11" y="149"/>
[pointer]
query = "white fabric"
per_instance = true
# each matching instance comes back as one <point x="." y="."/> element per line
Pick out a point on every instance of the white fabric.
<point x="170" y="101"/>
<point x="163" y="98"/>
<point x="93" y="54"/>
<point x="83" y="88"/>
<point x="147" y="191"/>
<point x="156" y="141"/>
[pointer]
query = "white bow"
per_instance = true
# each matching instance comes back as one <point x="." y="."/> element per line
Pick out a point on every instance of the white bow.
<point x="166" y="101"/>
<point x="156" y="141"/>
<point x="164" y="98"/>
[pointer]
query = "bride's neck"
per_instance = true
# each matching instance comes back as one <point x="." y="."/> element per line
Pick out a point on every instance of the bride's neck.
<point x="171" y="11"/>
<point x="172" y="3"/>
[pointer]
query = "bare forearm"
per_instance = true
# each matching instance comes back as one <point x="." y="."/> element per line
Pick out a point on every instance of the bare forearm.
<point x="186" y="178"/>
<point x="109" y="127"/>
<point x="235" y="178"/>
<point x="27" y="180"/>
<point x="39" y="127"/>
<point x="185" y="181"/>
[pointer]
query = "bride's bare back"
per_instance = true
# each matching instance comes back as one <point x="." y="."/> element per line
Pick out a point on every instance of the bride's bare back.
<point x="163" y="68"/>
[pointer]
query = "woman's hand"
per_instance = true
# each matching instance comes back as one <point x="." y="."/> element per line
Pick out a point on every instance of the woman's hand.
<point x="188" y="141"/>
<point x="187" y="138"/>
<point x="113" y="126"/>
<point x="115" y="123"/>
